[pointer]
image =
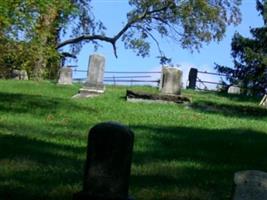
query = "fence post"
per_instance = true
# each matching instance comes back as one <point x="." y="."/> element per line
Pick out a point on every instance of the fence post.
<point x="114" y="80"/>
<point x="192" y="78"/>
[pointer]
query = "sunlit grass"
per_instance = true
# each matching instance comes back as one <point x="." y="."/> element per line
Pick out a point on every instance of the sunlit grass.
<point x="180" y="152"/>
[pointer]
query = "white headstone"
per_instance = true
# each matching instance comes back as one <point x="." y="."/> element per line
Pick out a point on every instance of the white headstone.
<point x="94" y="84"/>
<point x="171" y="81"/>
<point x="95" y="74"/>
<point x="234" y="90"/>
<point x="19" y="74"/>
<point x="65" y="76"/>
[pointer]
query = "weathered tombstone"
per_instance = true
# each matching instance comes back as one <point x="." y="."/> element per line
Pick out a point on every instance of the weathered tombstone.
<point x="264" y="101"/>
<point x="250" y="185"/>
<point x="192" y="78"/>
<point x="108" y="163"/>
<point x="234" y="90"/>
<point x="94" y="84"/>
<point x="171" y="81"/>
<point x="65" y="76"/>
<point x="19" y="74"/>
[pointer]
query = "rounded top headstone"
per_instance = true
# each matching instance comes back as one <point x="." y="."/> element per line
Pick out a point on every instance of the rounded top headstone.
<point x="108" y="164"/>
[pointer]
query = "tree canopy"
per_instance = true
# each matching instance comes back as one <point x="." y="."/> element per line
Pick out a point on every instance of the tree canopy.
<point x="250" y="57"/>
<point x="40" y="26"/>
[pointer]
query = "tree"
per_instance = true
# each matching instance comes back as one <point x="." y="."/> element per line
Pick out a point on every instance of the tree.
<point x="250" y="57"/>
<point x="189" y="23"/>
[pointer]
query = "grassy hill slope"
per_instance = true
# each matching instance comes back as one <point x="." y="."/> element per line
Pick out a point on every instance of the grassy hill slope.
<point x="180" y="152"/>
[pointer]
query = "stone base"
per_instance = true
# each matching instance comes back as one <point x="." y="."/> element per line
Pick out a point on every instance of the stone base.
<point x="86" y="196"/>
<point x="93" y="86"/>
<point x="64" y="83"/>
<point x="146" y="97"/>
<point x="88" y="92"/>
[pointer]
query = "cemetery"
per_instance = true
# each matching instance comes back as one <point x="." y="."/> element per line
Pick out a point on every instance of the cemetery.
<point x="140" y="135"/>
<point x="195" y="148"/>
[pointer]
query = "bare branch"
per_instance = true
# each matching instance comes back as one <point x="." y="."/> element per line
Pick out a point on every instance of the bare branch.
<point x="155" y="40"/>
<point x="85" y="37"/>
<point x="145" y="15"/>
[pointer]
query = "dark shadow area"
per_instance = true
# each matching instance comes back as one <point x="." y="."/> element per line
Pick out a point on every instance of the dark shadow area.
<point x="231" y="110"/>
<point x="208" y="160"/>
<point x="240" y="98"/>
<point x="37" y="104"/>
<point x="36" y="169"/>
<point x="33" y="169"/>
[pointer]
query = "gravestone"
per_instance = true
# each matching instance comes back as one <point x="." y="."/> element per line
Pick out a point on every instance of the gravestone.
<point x="264" y="101"/>
<point x="108" y="163"/>
<point x="250" y="185"/>
<point x="171" y="81"/>
<point x="234" y="90"/>
<point x="192" y="78"/>
<point x="19" y="74"/>
<point x="65" y="76"/>
<point x="94" y="84"/>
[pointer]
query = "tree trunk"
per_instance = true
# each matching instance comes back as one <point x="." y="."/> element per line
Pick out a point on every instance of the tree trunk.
<point x="46" y="40"/>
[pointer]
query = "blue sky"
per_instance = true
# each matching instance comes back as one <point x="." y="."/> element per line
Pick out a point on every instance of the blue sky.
<point x="113" y="14"/>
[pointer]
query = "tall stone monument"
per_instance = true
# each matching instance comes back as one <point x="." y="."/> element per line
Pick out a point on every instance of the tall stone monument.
<point x="65" y="76"/>
<point x="108" y="164"/>
<point x="95" y="76"/>
<point x="171" y="81"/>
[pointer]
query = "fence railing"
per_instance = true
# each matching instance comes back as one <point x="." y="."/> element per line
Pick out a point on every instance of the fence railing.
<point x="129" y="77"/>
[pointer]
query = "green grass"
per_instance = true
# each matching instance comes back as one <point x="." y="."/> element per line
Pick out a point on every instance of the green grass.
<point x="180" y="152"/>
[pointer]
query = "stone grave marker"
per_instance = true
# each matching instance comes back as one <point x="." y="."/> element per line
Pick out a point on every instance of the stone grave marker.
<point x="65" y="76"/>
<point x="95" y="76"/>
<point x="250" y="185"/>
<point x="192" y="78"/>
<point x="171" y="81"/>
<point x="19" y="74"/>
<point x="234" y="90"/>
<point x="108" y="163"/>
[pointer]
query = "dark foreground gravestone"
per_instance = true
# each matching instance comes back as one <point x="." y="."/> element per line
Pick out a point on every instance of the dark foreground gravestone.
<point x="108" y="164"/>
<point x="250" y="185"/>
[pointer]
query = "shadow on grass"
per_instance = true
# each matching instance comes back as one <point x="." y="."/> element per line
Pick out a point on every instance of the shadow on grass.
<point x="188" y="163"/>
<point x="35" y="169"/>
<point x="169" y="163"/>
<point x="37" y="104"/>
<point x="232" y="110"/>
<point x="240" y="98"/>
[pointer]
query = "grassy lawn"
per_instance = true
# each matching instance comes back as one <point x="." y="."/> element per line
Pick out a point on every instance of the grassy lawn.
<point x="180" y="152"/>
